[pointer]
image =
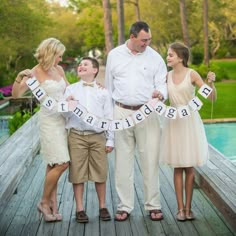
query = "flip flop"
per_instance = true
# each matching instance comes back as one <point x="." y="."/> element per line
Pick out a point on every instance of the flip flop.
<point x="121" y="214"/>
<point x="155" y="211"/>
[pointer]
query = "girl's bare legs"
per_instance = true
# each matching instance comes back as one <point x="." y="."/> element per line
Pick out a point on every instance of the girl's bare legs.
<point x="178" y="182"/>
<point x="189" y="182"/>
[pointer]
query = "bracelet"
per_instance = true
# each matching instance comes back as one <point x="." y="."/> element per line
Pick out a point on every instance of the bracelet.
<point x="17" y="81"/>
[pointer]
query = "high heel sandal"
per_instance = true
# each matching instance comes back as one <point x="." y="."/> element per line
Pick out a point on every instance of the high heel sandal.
<point x="57" y="215"/>
<point x="190" y="215"/>
<point x="180" y="216"/>
<point x="47" y="217"/>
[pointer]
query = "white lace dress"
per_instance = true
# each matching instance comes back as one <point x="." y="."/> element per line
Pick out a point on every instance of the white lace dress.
<point x="53" y="135"/>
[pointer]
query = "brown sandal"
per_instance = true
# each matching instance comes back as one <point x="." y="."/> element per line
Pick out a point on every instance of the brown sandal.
<point x="121" y="213"/>
<point x="155" y="211"/>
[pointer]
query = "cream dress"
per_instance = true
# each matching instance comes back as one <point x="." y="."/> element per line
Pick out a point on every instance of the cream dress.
<point x="183" y="142"/>
<point x="53" y="135"/>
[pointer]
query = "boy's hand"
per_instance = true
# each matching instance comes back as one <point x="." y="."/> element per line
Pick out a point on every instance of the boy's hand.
<point x="108" y="149"/>
<point x="70" y="98"/>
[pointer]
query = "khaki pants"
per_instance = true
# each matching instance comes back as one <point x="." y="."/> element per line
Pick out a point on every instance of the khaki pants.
<point x="88" y="158"/>
<point x="144" y="136"/>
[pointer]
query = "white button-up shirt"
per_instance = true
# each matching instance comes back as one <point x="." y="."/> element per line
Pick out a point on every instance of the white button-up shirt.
<point x="97" y="101"/>
<point x="131" y="79"/>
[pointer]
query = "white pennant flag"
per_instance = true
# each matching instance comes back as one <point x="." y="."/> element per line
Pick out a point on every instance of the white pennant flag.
<point x="62" y="106"/>
<point x="160" y="108"/>
<point x="195" y="104"/>
<point x="205" y="90"/>
<point x="32" y="83"/>
<point x="90" y="119"/>
<point x="39" y="93"/>
<point x="49" y="102"/>
<point x="80" y="111"/>
<point x="116" y="125"/>
<point x="103" y="124"/>
<point x="146" y="109"/>
<point x="183" y="111"/>
<point x="171" y="113"/>
<point x="138" y="116"/>
<point x="128" y="122"/>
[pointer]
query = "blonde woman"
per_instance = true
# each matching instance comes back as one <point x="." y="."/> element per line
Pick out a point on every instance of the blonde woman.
<point x="53" y="135"/>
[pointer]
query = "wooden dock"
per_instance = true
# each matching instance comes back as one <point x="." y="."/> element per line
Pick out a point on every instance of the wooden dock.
<point x="21" y="184"/>
<point x="20" y="216"/>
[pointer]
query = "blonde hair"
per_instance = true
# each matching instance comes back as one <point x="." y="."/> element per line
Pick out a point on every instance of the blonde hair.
<point x="47" y="52"/>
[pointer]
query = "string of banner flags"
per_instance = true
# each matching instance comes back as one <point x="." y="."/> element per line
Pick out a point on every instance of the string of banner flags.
<point x="138" y="116"/>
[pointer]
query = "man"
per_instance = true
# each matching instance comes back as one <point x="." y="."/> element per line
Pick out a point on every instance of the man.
<point x="135" y="73"/>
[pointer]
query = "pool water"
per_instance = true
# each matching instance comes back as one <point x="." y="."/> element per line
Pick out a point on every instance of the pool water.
<point x="222" y="136"/>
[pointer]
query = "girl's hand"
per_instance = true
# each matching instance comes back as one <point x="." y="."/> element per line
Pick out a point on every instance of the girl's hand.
<point x="211" y="77"/>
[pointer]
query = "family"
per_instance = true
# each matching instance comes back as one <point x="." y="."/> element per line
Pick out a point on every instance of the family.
<point x="135" y="74"/>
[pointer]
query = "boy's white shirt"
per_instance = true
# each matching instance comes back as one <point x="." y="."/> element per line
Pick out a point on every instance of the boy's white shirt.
<point x="97" y="101"/>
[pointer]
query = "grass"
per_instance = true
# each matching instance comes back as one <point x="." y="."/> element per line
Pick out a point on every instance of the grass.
<point x="224" y="107"/>
<point x="229" y="65"/>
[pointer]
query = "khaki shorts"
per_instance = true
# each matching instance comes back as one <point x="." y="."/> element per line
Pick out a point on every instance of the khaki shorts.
<point x="88" y="157"/>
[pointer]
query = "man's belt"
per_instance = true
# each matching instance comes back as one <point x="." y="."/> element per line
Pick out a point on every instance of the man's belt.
<point x="134" y="108"/>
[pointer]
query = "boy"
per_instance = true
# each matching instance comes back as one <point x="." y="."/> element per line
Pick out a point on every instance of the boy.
<point x="89" y="145"/>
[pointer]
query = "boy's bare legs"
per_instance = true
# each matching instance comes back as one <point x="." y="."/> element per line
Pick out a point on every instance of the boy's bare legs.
<point x="101" y="192"/>
<point x="81" y="216"/>
<point x="78" y="193"/>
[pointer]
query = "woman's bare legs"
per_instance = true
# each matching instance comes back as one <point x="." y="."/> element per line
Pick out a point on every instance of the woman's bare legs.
<point x="53" y="174"/>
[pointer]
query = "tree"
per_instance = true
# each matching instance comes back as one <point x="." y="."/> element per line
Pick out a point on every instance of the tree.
<point x="205" y="32"/>
<point x="108" y="25"/>
<point x="23" y="23"/>
<point x="120" y="14"/>
<point x="137" y="10"/>
<point x="184" y="24"/>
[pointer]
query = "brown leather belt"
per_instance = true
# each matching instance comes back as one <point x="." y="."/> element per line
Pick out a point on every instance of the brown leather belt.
<point x="83" y="133"/>
<point x="134" y="108"/>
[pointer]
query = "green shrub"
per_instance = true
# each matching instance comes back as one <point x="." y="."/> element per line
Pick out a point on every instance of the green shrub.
<point x="204" y="69"/>
<point x="197" y="56"/>
<point x="1" y="96"/>
<point x="19" y="118"/>
<point x="72" y="77"/>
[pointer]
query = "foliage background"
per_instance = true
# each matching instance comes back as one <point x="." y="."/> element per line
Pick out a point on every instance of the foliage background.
<point x="25" y="23"/>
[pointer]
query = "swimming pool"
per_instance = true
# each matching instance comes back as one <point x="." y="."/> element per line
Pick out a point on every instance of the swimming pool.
<point x="222" y="136"/>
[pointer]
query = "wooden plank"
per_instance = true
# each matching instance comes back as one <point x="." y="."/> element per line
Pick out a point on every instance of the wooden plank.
<point x="153" y="227"/>
<point x="207" y="220"/>
<point x="108" y="228"/>
<point x="218" y="182"/>
<point x="122" y="228"/>
<point x="18" y="153"/>
<point x="15" y="215"/>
